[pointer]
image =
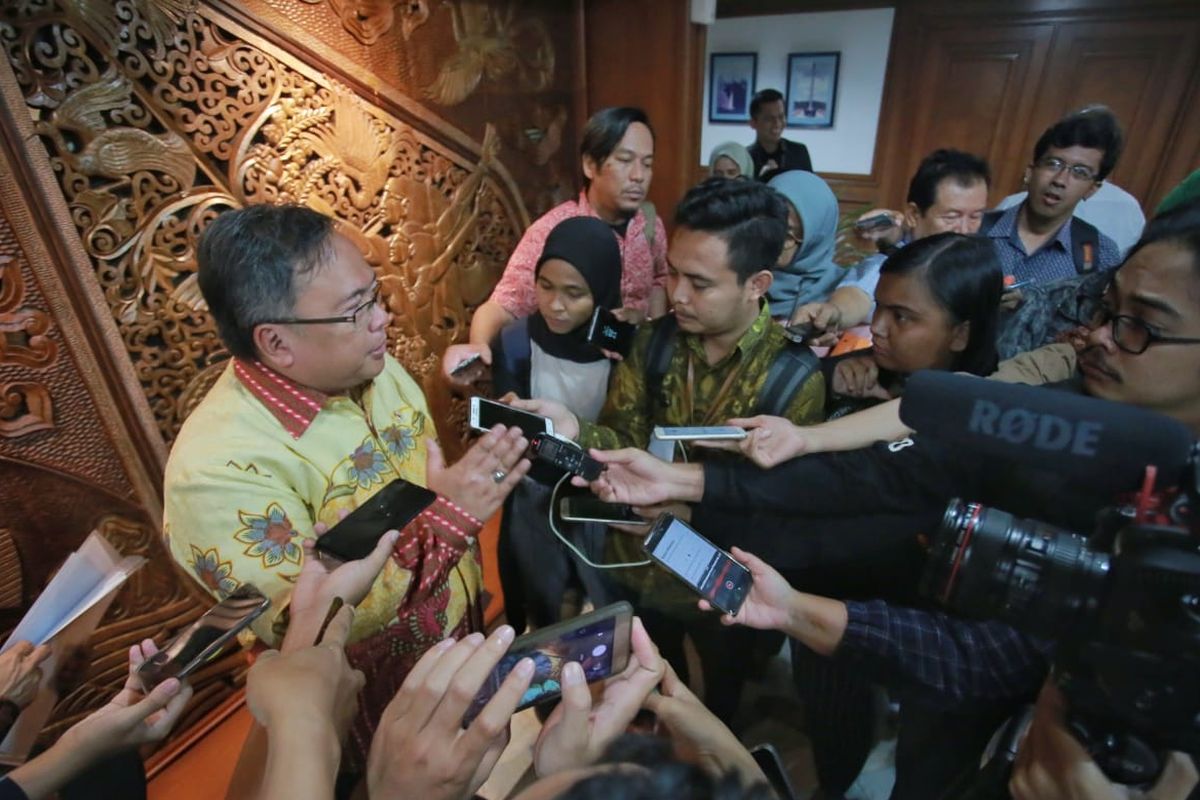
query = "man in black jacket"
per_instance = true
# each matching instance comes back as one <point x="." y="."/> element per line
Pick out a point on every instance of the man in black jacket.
<point x="771" y="153"/>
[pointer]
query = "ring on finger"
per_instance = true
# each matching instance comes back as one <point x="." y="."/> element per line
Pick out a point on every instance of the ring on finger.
<point x="498" y="475"/>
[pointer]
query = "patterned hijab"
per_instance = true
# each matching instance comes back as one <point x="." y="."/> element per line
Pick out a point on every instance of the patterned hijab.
<point x="590" y="246"/>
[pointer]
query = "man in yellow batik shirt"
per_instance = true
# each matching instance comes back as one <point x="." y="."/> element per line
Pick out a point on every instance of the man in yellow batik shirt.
<point x="311" y="419"/>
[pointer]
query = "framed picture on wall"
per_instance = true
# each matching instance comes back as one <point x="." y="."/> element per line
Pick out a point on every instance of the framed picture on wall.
<point x="731" y="86"/>
<point x="811" y="89"/>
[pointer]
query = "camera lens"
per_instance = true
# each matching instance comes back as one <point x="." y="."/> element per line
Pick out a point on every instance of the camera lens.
<point x="988" y="563"/>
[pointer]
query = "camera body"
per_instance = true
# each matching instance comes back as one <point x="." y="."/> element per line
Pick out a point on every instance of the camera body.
<point x="1123" y="605"/>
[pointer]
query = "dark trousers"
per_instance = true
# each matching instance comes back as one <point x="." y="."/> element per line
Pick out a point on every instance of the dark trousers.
<point x="838" y="714"/>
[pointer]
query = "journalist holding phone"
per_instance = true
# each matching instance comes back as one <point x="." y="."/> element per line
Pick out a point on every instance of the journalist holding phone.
<point x="312" y="418"/>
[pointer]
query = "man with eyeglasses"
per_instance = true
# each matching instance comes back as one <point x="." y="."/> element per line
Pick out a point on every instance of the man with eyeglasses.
<point x="1140" y="348"/>
<point x="1036" y="240"/>
<point x="311" y="419"/>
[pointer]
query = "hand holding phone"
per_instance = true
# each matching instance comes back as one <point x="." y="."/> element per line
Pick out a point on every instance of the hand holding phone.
<point x="488" y="413"/>
<point x="877" y="222"/>
<point x="391" y="508"/>
<point x="708" y="570"/>
<point x="599" y="642"/>
<point x="609" y="333"/>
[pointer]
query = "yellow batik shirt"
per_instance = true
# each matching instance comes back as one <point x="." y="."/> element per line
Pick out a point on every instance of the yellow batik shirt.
<point x="729" y="388"/>
<point x="262" y="459"/>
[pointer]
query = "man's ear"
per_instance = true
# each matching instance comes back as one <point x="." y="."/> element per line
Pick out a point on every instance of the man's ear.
<point x="1095" y="188"/>
<point x="911" y="213"/>
<point x="961" y="337"/>
<point x="590" y="168"/>
<point x="273" y="347"/>
<point x="1026" y="175"/>
<point x="758" y="283"/>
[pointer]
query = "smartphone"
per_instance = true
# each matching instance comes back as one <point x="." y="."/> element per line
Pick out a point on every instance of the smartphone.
<point x="589" y="508"/>
<point x="465" y="365"/>
<point x="769" y="761"/>
<point x="609" y="333"/>
<point x="699" y="563"/>
<point x="696" y="432"/>
<point x="799" y="333"/>
<point x="486" y="413"/>
<point x="392" y="507"/>
<point x="878" y="222"/>
<point x="205" y="637"/>
<point x="599" y="641"/>
<point x="1012" y="287"/>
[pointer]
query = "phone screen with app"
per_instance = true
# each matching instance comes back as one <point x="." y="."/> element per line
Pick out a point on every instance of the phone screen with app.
<point x="699" y="563"/>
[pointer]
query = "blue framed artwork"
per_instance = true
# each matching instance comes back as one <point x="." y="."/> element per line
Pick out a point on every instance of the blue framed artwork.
<point x="731" y="86"/>
<point x="811" y="89"/>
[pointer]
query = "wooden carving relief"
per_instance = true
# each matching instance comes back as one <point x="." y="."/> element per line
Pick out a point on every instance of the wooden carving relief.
<point x="156" y="129"/>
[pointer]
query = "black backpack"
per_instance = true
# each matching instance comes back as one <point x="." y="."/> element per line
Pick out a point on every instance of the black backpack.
<point x="1085" y="240"/>
<point x="794" y="364"/>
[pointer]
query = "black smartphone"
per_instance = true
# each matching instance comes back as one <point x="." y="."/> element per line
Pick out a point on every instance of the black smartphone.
<point x="204" y="638"/>
<point x="599" y="641"/>
<point x="589" y="508"/>
<point x="799" y="333"/>
<point x="392" y="507"/>
<point x="609" y="333"/>
<point x="466" y="365"/>
<point x="769" y="761"/>
<point x="709" y="570"/>
<point x="878" y="222"/>
<point x="487" y="413"/>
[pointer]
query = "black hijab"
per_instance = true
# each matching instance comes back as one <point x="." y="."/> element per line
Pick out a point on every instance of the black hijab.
<point x="587" y="244"/>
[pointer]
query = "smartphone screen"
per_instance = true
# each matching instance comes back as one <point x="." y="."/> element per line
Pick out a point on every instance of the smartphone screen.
<point x="599" y="641"/>
<point x="699" y="563"/>
<point x="205" y="637"/>
<point x="487" y="413"/>
<point x="610" y="333"/>
<point x="392" y="507"/>
<point x="589" y="508"/>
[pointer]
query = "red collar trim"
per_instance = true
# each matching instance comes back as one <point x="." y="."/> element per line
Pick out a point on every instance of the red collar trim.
<point x="295" y="406"/>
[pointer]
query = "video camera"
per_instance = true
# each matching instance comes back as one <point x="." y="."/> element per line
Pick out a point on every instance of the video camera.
<point x="1123" y="603"/>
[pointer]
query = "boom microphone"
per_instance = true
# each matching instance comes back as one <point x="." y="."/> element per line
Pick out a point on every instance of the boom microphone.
<point x="1103" y="444"/>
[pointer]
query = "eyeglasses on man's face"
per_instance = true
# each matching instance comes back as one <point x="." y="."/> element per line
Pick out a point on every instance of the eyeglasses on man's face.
<point x="358" y="317"/>
<point x="1055" y="165"/>
<point x="1130" y="334"/>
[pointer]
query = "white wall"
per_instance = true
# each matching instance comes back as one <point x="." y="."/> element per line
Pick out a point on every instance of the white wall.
<point x="861" y="36"/>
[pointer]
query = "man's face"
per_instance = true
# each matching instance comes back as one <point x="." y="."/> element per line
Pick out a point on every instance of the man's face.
<point x="704" y="290"/>
<point x="619" y="184"/>
<point x="955" y="208"/>
<point x="769" y="124"/>
<point x="1054" y="188"/>
<point x="333" y="356"/>
<point x="1158" y="286"/>
<point x="910" y="330"/>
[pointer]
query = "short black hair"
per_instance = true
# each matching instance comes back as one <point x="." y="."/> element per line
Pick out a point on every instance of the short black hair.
<point x="249" y="259"/>
<point x="1095" y="127"/>
<point x="750" y="217"/>
<point x="604" y="131"/>
<point x="761" y="98"/>
<point x="662" y="777"/>
<point x="1179" y="226"/>
<point x="964" y="275"/>
<point x="964" y="169"/>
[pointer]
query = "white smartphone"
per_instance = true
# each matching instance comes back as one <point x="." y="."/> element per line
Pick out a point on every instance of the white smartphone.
<point x="486" y="413"/>
<point x="586" y="508"/>
<point x="696" y="432"/>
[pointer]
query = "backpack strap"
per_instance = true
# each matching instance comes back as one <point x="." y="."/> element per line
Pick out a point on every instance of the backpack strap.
<point x="651" y="215"/>
<point x="1085" y="245"/>
<point x="658" y="357"/>
<point x="794" y="364"/>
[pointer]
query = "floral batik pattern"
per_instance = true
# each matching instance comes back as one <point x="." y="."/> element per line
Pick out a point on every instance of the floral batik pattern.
<point x="367" y="465"/>
<point x="210" y="570"/>
<point x="270" y="536"/>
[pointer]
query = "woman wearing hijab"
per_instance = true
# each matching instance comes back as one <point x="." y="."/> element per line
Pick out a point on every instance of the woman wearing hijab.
<point x="546" y="355"/>
<point x="805" y="271"/>
<point x="730" y="160"/>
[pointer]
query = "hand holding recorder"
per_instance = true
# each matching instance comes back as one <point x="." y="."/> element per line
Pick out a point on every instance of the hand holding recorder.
<point x="636" y="478"/>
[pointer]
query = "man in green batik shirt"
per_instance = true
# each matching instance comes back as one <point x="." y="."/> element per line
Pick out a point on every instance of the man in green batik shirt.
<point x="727" y="236"/>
